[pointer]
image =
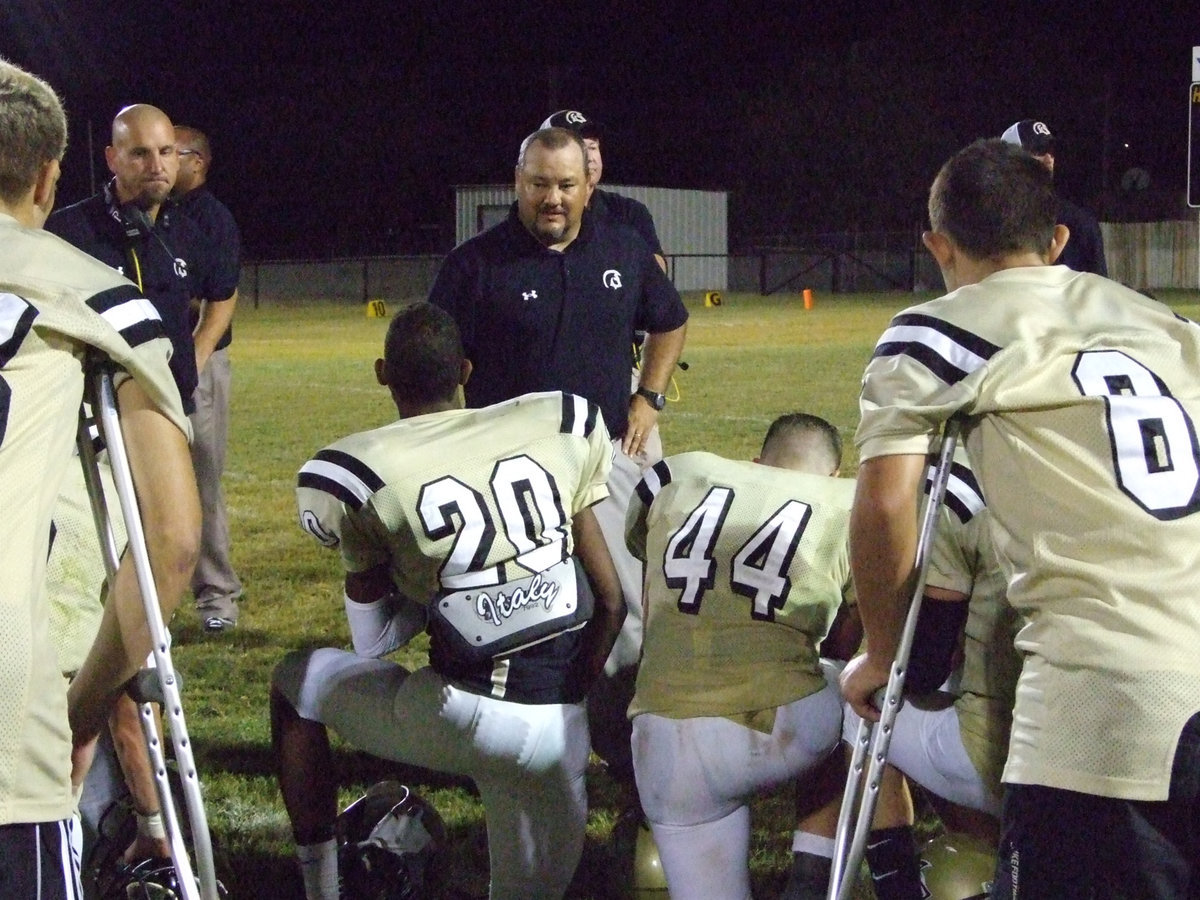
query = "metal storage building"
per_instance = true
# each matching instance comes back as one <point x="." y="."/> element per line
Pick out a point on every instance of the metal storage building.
<point x="692" y="226"/>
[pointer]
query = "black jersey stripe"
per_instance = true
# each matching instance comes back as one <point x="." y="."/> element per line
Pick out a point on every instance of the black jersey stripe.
<point x="354" y="466"/>
<point x="657" y="477"/>
<point x="593" y="416"/>
<point x="948" y="351"/>
<point x="331" y="486"/>
<point x="578" y="415"/>
<point x="130" y="313"/>
<point x="342" y="476"/>
<point x="963" y="495"/>
<point x="21" y="324"/>
<point x="569" y="414"/>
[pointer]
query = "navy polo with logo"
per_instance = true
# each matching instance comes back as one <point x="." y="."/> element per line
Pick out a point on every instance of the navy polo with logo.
<point x="171" y="264"/>
<point x="535" y="319"/>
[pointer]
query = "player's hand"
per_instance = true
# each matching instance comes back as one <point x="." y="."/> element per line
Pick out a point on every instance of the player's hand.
<point x="859" y="681"/>
<point x="642" y="419"/>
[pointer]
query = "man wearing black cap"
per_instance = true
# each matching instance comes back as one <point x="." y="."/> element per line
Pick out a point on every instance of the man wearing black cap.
<point x="606" y="203"/>
<point x="1085" y="248"/>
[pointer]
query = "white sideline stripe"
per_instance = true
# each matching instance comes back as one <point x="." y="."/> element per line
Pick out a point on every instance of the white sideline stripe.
<point x="950" y="350"/>
<point x="344" y="477"/>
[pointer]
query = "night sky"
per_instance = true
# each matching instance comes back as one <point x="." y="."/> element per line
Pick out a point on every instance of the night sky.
<point x="340" y="128"/>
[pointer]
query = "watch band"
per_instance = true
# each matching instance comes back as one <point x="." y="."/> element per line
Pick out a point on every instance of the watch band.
<point x="655" y="399"/>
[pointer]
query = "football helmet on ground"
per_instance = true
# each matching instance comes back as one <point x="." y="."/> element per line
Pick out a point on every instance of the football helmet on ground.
<point x="387" y="841"/>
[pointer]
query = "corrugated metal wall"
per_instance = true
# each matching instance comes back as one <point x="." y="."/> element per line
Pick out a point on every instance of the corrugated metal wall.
<point x="688" y="222"/>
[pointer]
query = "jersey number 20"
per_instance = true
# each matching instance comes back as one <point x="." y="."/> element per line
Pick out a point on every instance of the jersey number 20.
<point x="530" y="511"/>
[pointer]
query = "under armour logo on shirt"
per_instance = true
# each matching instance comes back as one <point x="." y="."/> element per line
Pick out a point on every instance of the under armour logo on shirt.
<point x="612" y="279"/>
<point x="528" y="295"/>
<point x="181" y="267"/>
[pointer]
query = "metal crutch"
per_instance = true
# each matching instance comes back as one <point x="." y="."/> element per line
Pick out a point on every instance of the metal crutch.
<point x="874" y="738"/>
<point x="103" y="401"/>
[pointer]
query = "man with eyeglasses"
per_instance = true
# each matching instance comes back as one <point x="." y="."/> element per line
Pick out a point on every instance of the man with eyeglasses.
<point x="215" y="585"/>
<point x="132" y="225"/>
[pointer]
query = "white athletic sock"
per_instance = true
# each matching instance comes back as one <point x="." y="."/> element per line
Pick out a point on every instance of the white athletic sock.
<point x="318" y="867"/>
<point x="806" y="842"/>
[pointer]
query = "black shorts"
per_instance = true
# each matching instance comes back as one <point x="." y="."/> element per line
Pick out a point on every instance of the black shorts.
<point x="38" y="862"/>
<point x="1063" y="845"/>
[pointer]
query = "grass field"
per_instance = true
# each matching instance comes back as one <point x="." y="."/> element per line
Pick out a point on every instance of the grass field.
<point x="302" y="378"/>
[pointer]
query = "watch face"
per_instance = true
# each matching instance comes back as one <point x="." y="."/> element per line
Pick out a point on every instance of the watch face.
<point x="658" y="401"/>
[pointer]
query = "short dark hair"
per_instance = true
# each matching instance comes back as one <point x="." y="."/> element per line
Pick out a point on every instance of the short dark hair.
<point x="33" y="130"/>
<point x="802" y="440"/>
<point x="423" y="354"/>
<point x="552" y="139"/>
<point x="993" y="199"/>
<point x="197" y="139"/>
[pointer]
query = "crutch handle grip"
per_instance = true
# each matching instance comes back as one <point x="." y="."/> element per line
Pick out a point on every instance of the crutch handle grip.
<point x="146" y="686"/>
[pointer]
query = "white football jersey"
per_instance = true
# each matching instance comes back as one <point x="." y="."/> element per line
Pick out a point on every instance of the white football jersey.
<point x="1082" y="398"/>
<point x="59" y="308"/>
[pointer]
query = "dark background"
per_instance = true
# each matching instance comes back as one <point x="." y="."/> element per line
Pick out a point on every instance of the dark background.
<point x="340" y="128"/>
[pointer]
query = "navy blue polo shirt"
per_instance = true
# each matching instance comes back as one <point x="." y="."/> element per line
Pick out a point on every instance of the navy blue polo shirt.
<point x="535" y="319"/>
<point x="225" y="245"/>
<point x="171" y="264"/>
<point x="632" y="212"/>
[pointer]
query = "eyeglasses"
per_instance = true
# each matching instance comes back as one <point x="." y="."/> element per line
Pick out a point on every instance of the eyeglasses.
<point x="189" y="153"/>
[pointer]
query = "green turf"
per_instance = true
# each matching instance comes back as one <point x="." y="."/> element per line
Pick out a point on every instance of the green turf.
<point x="302" y="378"/>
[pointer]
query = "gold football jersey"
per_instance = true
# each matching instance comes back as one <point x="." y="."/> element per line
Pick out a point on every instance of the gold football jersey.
<point x="1081" y="398"/>
<point x="471" y="500"/>
<point x="746" y="566"/>
<point x="58" y="307"/>
<point x="962" y="559"/>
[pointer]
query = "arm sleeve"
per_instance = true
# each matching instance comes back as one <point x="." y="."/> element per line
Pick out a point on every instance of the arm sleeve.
<point x="227" y="261"/>
<point x="384" y="625"/>
<point x="637" y="515"/>
<point x="1099" y="263"/>
<point x="940" y="625"/>
<point x="661" y="308"/>
<point x="594" y="486"/>
<point x="452" y="291"/>
<point x="643" y="223"/>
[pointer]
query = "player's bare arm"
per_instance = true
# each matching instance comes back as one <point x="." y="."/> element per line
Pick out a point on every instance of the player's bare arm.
<point x="660" y="354"/>
<point x="170" y="510"/>
<point x="883" y="546"/>
<point x="215" y="317"/>
<point x="602" y="629"/>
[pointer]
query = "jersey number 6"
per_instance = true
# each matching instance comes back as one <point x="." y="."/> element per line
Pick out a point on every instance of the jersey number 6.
<point x="1153" y="439"/>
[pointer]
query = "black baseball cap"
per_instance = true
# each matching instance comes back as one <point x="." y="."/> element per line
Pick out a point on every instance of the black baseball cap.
<point x="575" y="121"/>
<point x="1031" y="135"/>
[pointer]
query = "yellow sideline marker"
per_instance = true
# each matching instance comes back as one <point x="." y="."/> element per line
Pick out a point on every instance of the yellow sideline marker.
<point x="376" y="309"/>
<point x="712" y="298"/>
